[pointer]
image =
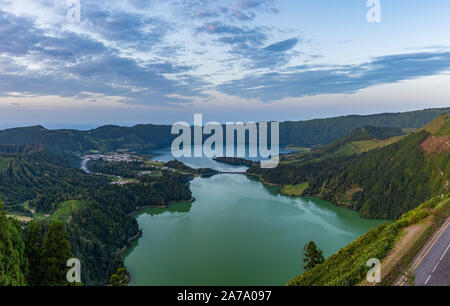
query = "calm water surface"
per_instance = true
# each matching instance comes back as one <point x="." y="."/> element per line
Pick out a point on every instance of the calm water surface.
<point x="237" y="232"/>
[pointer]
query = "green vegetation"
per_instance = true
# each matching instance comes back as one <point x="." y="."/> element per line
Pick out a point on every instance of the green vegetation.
<point x="438" y="214"/>
<point x="344" y="146"/>
<point x="375" y="170"/>
<point x="144" y="138"/>
<point x="104" y="139"/>
<point x="389" y="181"/>
<point x="347" y="149"/>
<point x="30" y="258"/>
<point x="295" y="190"/>
<point x="178" y="207"/>
<point x="325" y="131"/>
<point x="299" y="149"/>
<point x="55" y="253"/>
<point x="312" y="256"/>
<point x="33" y="243"/>
<point x="382" y="183"/>
<point x="95" y="213"/>
<point x="182" y="168"/>
<point x="234" y="161"/>
<point x="444" y="130"/>
<point x="369" y="145"/>
<point x="65" y="209"/>
<point x="348" y="267"/>
<point x="13" y="263"/>
<point x="440" y="124"/>
<point x="3" y="163"/>
<point x="120" y="278"/>
<point x="123" y="169"/>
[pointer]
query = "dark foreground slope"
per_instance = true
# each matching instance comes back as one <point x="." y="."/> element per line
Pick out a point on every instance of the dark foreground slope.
<point x="149" y="137"/>
<point x="348" y="267"/>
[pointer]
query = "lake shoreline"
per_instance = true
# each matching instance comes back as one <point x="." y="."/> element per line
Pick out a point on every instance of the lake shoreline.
<point x="223" y="198"/>
<point x="143" y="208"/>
<point x="231" y="196"/>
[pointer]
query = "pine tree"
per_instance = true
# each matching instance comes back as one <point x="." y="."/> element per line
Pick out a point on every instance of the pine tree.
<point x="33" y="245"/>
<point x="54" y="256"/>
<point x="12" y="257"/>
<point x="312" y="256"/>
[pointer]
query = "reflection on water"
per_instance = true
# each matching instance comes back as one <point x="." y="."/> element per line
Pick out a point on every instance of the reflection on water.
<point x="237" y="232"/>
<point x="181" y="207"/>
<point x="165" y="155"/>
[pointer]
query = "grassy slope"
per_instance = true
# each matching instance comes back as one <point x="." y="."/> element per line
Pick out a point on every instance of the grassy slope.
<point x="372" y="144"/>
<point x="294" y="184"/>
<point x="393" y="179"/>
<point x="295" y="190"/>
<point x="349" y="265"/>
<point x="65" y="209"/>
<point x="387" y="242"/>
<point x="325" y="131"/>
<point x="440" y="125"/>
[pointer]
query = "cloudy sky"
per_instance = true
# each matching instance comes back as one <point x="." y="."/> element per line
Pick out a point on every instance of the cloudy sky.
<point x="154" y="61"/>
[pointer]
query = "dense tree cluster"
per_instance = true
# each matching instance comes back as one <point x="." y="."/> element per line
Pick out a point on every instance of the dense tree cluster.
<point x="383" y="183"/>
<point x="13" y="263"/>
<point x="100" y="225"/>
<point x="36" y="256"/>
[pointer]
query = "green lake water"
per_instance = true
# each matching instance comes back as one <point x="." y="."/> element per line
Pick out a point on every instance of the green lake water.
<point x="237" y="232"/>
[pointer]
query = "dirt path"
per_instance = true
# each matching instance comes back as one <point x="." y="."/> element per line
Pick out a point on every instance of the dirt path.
<point x="354" y="148"/>
<point x="408" y="238"/>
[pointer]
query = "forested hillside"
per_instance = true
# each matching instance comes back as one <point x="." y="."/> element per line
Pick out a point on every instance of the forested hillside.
<point x="107" y="138"/>
<point x="382" y="183"/>
<point x="325" y="131"/>
<point x="148" y="137"/>
<point x="388" y="182"/>
<point x="95" y="213"/>
<point x="379" y="171"/>
<point x="33" y="254"/>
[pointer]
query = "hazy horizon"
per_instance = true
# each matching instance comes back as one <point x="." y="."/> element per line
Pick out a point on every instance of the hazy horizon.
<point x="138" y="61"/>
<point x="86" y="127"/>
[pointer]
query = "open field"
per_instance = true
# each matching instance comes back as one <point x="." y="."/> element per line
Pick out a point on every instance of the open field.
<point x="66" y="208"/>
<point x="294" y="190"/>
<point x="368" y="145"/>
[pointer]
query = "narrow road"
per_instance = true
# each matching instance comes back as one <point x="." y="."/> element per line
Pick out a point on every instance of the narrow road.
<point x="85" y="168"/>
<point x="432" y="268"/>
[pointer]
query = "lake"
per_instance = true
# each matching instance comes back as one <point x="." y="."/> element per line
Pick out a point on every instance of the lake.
<point x="237" y="232"/>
